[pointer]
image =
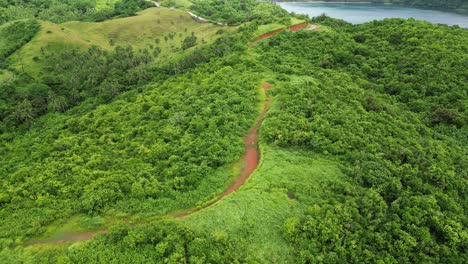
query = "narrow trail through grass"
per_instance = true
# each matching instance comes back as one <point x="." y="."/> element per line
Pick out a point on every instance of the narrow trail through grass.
<point x="251" y="160"/>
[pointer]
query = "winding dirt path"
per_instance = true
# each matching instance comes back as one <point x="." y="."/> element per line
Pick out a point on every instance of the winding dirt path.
<point x="251" y="159"/>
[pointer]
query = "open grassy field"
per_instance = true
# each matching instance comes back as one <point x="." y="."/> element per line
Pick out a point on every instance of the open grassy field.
<point x="285" y="181"/>
<point x="153" y="27"/>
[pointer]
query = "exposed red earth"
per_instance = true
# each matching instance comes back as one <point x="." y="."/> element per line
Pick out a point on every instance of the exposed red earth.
<point x="270" y="34"/>
<point x="252" y="154"/>
<point x="251" y="159"/>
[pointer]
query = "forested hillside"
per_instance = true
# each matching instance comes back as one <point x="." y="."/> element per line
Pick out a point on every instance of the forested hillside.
<point x="124" y="141"/>
<point x="60" y="11"/>
<point x="398" y="136"/>
<point x="236" y="12"/>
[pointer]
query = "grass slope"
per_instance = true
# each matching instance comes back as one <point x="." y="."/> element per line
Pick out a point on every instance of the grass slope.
<point x="281" y="187"/>
<point x="139" y="31"/>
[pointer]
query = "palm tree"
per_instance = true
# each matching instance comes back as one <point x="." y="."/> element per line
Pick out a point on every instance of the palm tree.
<point x="24" y="111"/>
<point x="57" y="103"/>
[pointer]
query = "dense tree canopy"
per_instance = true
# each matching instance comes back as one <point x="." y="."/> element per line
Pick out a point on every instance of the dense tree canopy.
<point x="14" y="35"/>
<point x="111" y="135"/>
<point x="392" y="108"/>
<point x="238" y="11"/>
<point x="59" y="11"/>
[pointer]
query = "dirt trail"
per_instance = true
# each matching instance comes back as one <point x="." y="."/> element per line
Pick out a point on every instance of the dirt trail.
<point x="252" y="153"/>
<point x="270" y="34"/>
<point x="251" y="159"/>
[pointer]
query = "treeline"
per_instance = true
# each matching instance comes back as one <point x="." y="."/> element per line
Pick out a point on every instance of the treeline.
<point x="447" y="4"/>
<point x="73" y="76"/>
<point x="59" y="11"/>
<point x="419" y="64"/>
<point x="237" y="11"/>
<point x="387" y="100"/>
<point x="14" y="35"/>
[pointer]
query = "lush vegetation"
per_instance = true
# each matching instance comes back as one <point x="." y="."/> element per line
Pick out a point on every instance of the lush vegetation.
<point x="238" y="11"/>
<point x="59" y="11"/>
<point x="148" y="154"/>
<point x="392" y="109"/>
<point x="159" y="242"/>
<point x="54" y="74"/>
<point x="363" y="149"/>
<point x="14" y="35"/>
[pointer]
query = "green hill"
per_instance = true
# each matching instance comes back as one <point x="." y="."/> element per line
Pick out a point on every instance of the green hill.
<point x="123" y="141"/>
<point x="154" y="27"/>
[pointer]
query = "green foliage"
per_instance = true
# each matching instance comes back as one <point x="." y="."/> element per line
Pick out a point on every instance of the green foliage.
<point x="189" y="42"/>
<point x="162" y="241"/>
<point x="363" y="149"/>
<point x="59" y="11"/>
<point x="447" y="4"/>
<point x="132" y="154"/>
<point x="130" y="7"/>
<point x="461" y="5"/>
<point x="14" y="35"/>
<point x="72" y="77"/>
<point x="355" y="99"/>
<point x="238" y="11"/>
<point x="402" y="64"/>
<point x="285" y="184"/>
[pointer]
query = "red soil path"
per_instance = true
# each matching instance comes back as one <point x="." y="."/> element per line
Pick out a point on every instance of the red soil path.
<point x="250" y="158"/>
<point x="252" y="154"/>
<point x="272" y="33"/>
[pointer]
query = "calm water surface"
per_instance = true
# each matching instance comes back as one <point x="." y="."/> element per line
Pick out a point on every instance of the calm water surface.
<point x="357" y="13"/>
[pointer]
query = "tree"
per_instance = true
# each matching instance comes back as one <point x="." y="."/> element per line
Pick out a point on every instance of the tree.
<point x="189" y="42"/>
<point x="57" y="103"/>
<point x="24" y="111"/>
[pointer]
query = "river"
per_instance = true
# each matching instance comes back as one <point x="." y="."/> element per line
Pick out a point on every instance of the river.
<point x="358" y="13"/>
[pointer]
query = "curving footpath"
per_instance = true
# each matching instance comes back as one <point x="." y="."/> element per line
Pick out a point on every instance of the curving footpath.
<point x="251" y="160"/>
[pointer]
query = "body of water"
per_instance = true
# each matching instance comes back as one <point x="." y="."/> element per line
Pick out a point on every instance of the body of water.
<point x="357" y="13"/>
